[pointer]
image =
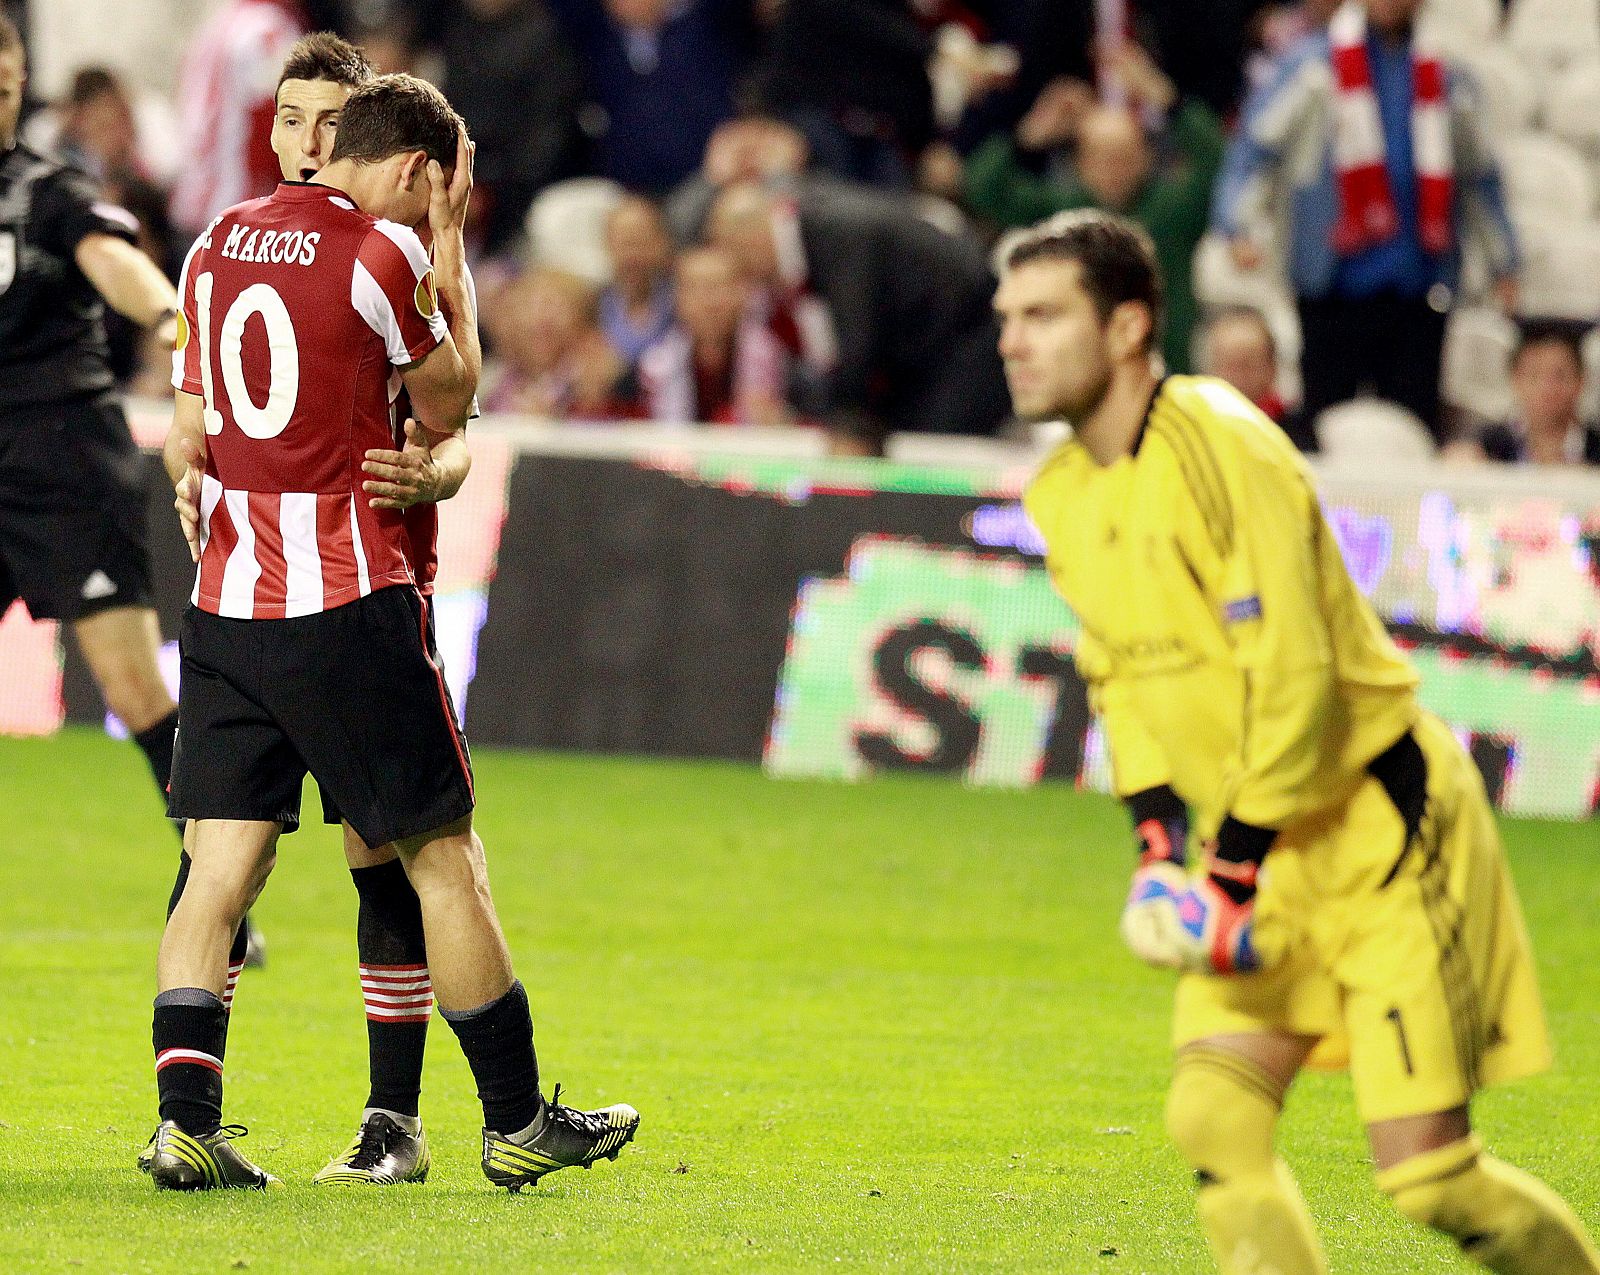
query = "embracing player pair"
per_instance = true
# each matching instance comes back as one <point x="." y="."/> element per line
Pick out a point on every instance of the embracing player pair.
<point x="308" y="644"/>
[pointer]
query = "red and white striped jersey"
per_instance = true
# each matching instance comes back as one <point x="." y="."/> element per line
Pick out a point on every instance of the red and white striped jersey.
<point x="226" y="90"/>
<point x="298" y="311"/>
<point x="422" y="519"/>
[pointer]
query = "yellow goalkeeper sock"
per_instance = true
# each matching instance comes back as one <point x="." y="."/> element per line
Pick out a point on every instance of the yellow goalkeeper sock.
<point x="1503" y="1218"/>
<point x="1221" y="1111"/>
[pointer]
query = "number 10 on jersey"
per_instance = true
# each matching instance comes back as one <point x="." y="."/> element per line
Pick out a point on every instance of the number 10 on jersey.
<point x="256" y="419"/>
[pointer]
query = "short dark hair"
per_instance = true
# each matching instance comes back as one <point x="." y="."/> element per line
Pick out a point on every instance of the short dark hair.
<point x="90" y="82"/>
<point x="1566" y="333"/>
<point x="325" y="56"/>
<point x="10" y="37"/>
<point x="395" y="113"/>
<point x="1116" y="257"/>
<point x="1242" y="314"/>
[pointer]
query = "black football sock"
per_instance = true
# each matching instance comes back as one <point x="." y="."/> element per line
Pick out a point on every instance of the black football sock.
<point x="241" y="936"/>
<point x="394" y="984"/>
<point x="156" y="743"/>
<point x="497" y="1039"/>
<point x="190" y="1033"/>
<point x="184" y="864"/>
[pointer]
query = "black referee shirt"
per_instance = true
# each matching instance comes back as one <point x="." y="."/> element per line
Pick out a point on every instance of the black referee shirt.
<point x="52" y="321"/>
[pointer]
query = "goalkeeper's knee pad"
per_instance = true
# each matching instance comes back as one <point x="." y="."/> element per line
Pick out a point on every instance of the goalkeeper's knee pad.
<point x="1221" y="1113"/>
<point x="1503" y="1218"/>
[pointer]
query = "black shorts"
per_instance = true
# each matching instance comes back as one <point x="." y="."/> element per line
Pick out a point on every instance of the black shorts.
<point x="330" y="807"/>
<point x="72" y="510"/>
<point x="354" y="695"/>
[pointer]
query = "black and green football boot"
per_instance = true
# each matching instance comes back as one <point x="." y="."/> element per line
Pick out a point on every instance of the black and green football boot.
<point x="180" y="1162"/>
<point x="566" y="1138"/>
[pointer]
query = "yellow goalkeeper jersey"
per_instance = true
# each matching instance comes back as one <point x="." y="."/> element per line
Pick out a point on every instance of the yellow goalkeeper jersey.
<point x="1226" y="648"/>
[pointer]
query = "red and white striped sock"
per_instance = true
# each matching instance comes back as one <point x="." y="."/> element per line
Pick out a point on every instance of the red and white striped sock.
<point x="187" y="1057"/>
<point x="234" y="970"/>
<point x="397" y="993"/>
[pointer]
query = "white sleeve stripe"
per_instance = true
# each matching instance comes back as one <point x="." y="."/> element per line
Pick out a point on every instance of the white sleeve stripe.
<point x="405" y="239"/>
<point x="438" y="327"/>
<point x="372" y="304"/>
<point x="116" y="215"/>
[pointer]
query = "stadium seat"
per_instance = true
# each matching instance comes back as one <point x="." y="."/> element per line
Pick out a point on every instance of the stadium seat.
<point x="1560" y="268"/>
<point x="942" y="215"/>
<point x="1545" y="178"/>
<point x="1550" y="34"/>
<point x="1219" y="282"/>
<point x="1572" y="106"/>
<point x="956" y="451"/>
<point x="1462" y="24"/>
<point x="1510" y="99"/>
<point x="566" y="225"/>
<point x="1477" y="350"/>
<point x="1371" y="432"/>
<point x="1589" y="406"/>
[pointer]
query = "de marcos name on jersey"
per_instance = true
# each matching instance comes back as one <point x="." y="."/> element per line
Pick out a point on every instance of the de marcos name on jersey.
<point x="279" y="247"/>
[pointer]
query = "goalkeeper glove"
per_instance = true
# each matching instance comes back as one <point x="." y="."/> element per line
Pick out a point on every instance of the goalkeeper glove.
<point x="1204" y="925"/>
<point x="1161" y="822"/>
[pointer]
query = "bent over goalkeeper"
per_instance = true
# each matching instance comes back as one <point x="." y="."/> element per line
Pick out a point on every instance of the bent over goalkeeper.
<point x="1319" y="857"/>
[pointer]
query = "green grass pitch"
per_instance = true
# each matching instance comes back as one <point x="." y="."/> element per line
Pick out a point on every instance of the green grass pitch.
<point x="870" y="1028"/>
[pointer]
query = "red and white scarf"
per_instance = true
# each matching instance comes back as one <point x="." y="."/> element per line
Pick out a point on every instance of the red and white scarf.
<point x="759" y="376"/>
<point x="795" y="314"/>
<point x="1367" y="213"/>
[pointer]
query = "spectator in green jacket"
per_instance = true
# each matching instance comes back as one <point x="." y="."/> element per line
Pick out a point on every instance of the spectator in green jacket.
<point x="1115" y="170"/>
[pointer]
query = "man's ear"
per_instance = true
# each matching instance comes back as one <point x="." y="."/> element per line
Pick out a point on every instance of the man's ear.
<point x="415" y="166"/>
<point x="1131" y="329"/>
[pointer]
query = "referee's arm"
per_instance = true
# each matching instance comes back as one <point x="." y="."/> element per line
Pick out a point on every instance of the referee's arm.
<point x="130" y="282"/>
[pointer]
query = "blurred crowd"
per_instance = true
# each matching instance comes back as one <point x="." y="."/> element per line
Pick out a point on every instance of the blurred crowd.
<point x="783" y="212"/>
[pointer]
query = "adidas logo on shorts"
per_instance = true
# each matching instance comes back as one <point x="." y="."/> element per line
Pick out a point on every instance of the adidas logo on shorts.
<point x="98" y="585"/>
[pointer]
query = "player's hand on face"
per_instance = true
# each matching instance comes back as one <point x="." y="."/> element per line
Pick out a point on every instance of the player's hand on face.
<point x="448" y="199"/>
<point x="404" y="478"/>
<point x="187" y="501"/>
